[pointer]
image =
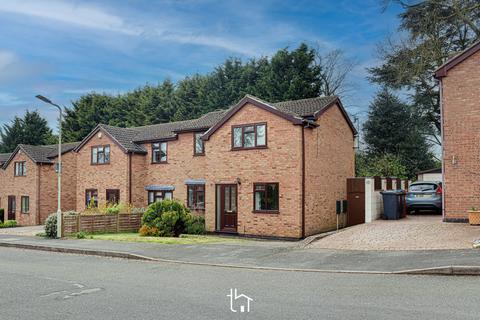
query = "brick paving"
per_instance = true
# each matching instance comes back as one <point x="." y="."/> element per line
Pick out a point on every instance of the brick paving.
<point x="423" y="232"/>
<point x="23" y="231"/>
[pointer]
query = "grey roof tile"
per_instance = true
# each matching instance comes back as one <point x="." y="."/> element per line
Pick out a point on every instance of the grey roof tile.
<point x="305" y="107"/>
<point x="4" y="157"/>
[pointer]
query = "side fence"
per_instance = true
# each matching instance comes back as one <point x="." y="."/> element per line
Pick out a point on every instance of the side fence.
<point x="122" y="222"/>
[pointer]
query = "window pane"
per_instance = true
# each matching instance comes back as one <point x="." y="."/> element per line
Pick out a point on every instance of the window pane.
<point x="227" y="199"/>
<point x="168" y="195"/>
<point x="248" y="129"/>
<point x="101" y="158"/>
<point x="163" y="151"/>
<point x="94" y="155"/>
<point x="24" y="169"/>
<point x="234" y="199"/>
<point x="150" y="197"/>
<point x="200" y="200"/>
<point x="107" y="154"/>
<point x="237" y="137"/>
<point x="259" y="200"/>
<point x="261" y="139"/>
<point x="190" y="196"/>
<point x="249" y="140"/>
<point x="198" y="143"/>
<point x="272" y="197"/>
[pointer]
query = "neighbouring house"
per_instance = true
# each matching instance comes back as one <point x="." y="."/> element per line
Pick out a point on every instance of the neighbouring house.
<point x="460" y="95"/>
<point x="28" y="182"/>
<point x="257" y="168"/>
<point x="430" y="175"/>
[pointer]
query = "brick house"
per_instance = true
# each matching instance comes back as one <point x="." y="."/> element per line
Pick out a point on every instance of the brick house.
<point x="257" y="168"/>
<point x="459" y="81"/>
<point x="28" y="182"/>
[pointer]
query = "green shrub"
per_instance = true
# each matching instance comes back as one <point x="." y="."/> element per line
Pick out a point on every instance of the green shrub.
<point x="51" y="226"/>
<point x="8" y="224"/>
<point x="113" y="209"/>
<point x="194" y="225"/>
<point x="138" y="210"/>
<point x="168" y="216"/>
<point x="146" y="231"/>
<point x="2" y="214"/>
<point x="81" y="235"/>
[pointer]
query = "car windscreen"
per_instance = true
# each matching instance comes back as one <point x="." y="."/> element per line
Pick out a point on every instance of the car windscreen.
<point x="423" y="187"/>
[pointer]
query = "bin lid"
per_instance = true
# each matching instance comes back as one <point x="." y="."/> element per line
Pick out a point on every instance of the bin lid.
<point x="392" y="192"/>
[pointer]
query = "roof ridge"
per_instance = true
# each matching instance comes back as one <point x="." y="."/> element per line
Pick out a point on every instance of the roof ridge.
<point x="305" y="99"/>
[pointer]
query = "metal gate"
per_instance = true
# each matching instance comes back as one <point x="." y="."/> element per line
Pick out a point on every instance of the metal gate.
<point x="356" y="201"/>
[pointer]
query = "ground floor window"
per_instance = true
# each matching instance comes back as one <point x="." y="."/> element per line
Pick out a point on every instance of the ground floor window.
<point x="196" y="196"/>
<point x="266" y="197"/>
<point x="113" y="196"/>
<point x="91" y="198"/>
<point x="25" y="204"/>
<point x="154" y="196"/>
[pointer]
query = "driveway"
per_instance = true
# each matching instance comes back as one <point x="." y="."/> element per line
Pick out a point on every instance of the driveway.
<point x="416" y="232"/>
<point x="23" y="231"/>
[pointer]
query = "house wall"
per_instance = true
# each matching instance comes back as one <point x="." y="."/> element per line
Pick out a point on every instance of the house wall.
<point x="461" y="144"/>
<point x="429" y="177"/>
<point x="101" y="177"/>
<point x="329" y="161"/>
<point x="21" y="186"/>
<point x="280" y="162"/>
<point x="181" y="165"/>
<point x="373" y="200"/>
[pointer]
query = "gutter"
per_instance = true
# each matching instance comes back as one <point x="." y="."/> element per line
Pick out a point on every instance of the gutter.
<point x="303" y="182"/>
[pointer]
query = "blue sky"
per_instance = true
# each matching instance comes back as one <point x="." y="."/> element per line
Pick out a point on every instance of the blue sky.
<point x="63" y="49"/>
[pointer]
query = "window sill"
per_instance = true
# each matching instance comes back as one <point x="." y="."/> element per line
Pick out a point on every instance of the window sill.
<point x="199" y="154"/>
<point x="162" y="162"/>
<point x="100" y="164"/>
<point x="25" y="212"/>
<point x="197" y="209"/>
<point x="266" y="211"/>
<point x="251" y="148"/>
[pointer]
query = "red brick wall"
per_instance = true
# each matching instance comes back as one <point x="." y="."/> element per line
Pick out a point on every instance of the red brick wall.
<point x="21" y="186"/>
<point x="461" y="116"/>
<point x="329" y="156"/>
<point x="280" y="162"/>
<point x="102" y="177"/>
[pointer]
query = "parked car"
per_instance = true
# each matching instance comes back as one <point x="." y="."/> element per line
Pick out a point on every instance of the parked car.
<point x="424" y="195"/>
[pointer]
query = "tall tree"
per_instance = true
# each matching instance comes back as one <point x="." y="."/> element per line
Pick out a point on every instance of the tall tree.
<point x="392" y="128"/>
<point x="435" y="30"/>
<point x="31" y="129"/>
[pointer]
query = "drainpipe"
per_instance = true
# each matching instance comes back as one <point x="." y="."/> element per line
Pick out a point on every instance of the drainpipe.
<point x="444" y="186"/>
<point x="129" y="178"/>
<point x="37" y="219"/>
<point x="303" y="181"/>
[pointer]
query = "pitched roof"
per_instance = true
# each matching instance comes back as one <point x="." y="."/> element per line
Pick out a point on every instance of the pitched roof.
<point x="40" y="154"/>
<point x="4" y="157"/>
<point x="457" y="59"/>
<point x="296" y="111"/>
<point x="436" y="170"/>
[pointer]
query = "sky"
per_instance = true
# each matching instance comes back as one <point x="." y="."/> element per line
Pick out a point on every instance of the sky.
<point x="63" y="49"/>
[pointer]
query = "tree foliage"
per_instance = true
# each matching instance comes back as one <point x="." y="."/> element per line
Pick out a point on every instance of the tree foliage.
<point x="383" y="165"/>
<point x="435" y="30"/>
<point x="287" y="75"/>
<point x="30" y="129"/>
<point x="393" y="133"/>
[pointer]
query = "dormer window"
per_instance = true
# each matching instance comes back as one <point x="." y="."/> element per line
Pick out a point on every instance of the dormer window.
<point x="20" y="169"/>
<point x="159" y="152"/>
<point x="249" y="136"/>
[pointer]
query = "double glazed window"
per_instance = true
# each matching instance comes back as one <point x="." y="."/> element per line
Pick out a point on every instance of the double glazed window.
<point x="199" y="148"/>
<point x="20" y="169"/>
<point x="100" y="155"/>
<point x="25" y="205"/>
<point x="159" y="152"/>
<point x="249" y="136"/>
<point x="266" y="197"/>
<point x="154" y="196"/>
<point x="91" y="198"/>
<point x="196" y="196"/>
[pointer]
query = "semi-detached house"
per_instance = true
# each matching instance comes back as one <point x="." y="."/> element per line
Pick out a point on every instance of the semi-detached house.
<point x="257" y="168"/>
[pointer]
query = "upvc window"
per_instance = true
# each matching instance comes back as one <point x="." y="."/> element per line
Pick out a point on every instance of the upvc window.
<point x="25" y="205"/>
<point x="91" y="198"/>
<point x="266" y="197"/>
<point x="159" y="152"/>
<point x="199" y="148"/>
<point x="249" y="136"/>
<point x="20" y="169"/>
<point x="196" y="196"/>
<point x="154" y="196"/>
<point x="100" y="155"/>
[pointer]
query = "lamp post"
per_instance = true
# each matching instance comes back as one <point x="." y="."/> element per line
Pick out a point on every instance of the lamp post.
<point x="59" y="169"/>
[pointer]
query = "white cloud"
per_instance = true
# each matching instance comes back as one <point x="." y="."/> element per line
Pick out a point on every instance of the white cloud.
<point x="70" y="13"/>
<point x="9" y="99"/>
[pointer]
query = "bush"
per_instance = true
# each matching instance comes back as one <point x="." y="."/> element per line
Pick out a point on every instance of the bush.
<point x="138" y="210"/>
<point x="2" y="214"/>
<point x="195" y="225"/>
<point x="146" y="231"/>
<point x="168" y="216"/>
<point x="51" y="226"/>
<point x="81" y="235"/>
<point x="114" y="209"/>
<point x="8" y="224"/>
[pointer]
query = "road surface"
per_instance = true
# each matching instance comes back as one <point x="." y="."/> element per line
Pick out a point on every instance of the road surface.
<point x="44" y="285"/>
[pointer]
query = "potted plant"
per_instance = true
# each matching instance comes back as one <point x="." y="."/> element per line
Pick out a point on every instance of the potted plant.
<point x="474" y="216"/>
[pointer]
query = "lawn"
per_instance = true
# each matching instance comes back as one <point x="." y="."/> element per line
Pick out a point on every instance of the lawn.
<point x="184" y="239"/>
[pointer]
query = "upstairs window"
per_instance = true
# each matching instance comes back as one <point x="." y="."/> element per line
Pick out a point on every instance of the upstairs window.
<point x="266" y="197"/>
<point x="159" y="152"/>
<point x="198" y="144"/>
<point x="249" y="136"/>
<point x="20" y="169"/>
<point x="100" y="155"/>
<point x="196" y="196"/>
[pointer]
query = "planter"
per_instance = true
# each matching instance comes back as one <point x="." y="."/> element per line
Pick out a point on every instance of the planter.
<point x="474" y="217"/>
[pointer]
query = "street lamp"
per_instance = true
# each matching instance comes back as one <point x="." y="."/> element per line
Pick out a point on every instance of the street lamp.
<point x="59" y="169"/>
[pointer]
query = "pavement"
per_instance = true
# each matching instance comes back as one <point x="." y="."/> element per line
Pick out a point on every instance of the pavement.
<point x="23" y="231"/>
<point x="55" y="286"/>
<point x="267" y="255"/>
<point x="415" y="232"/>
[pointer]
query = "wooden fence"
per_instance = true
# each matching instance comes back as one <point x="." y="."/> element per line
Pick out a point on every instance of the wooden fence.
<point x="122" y="222"/>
